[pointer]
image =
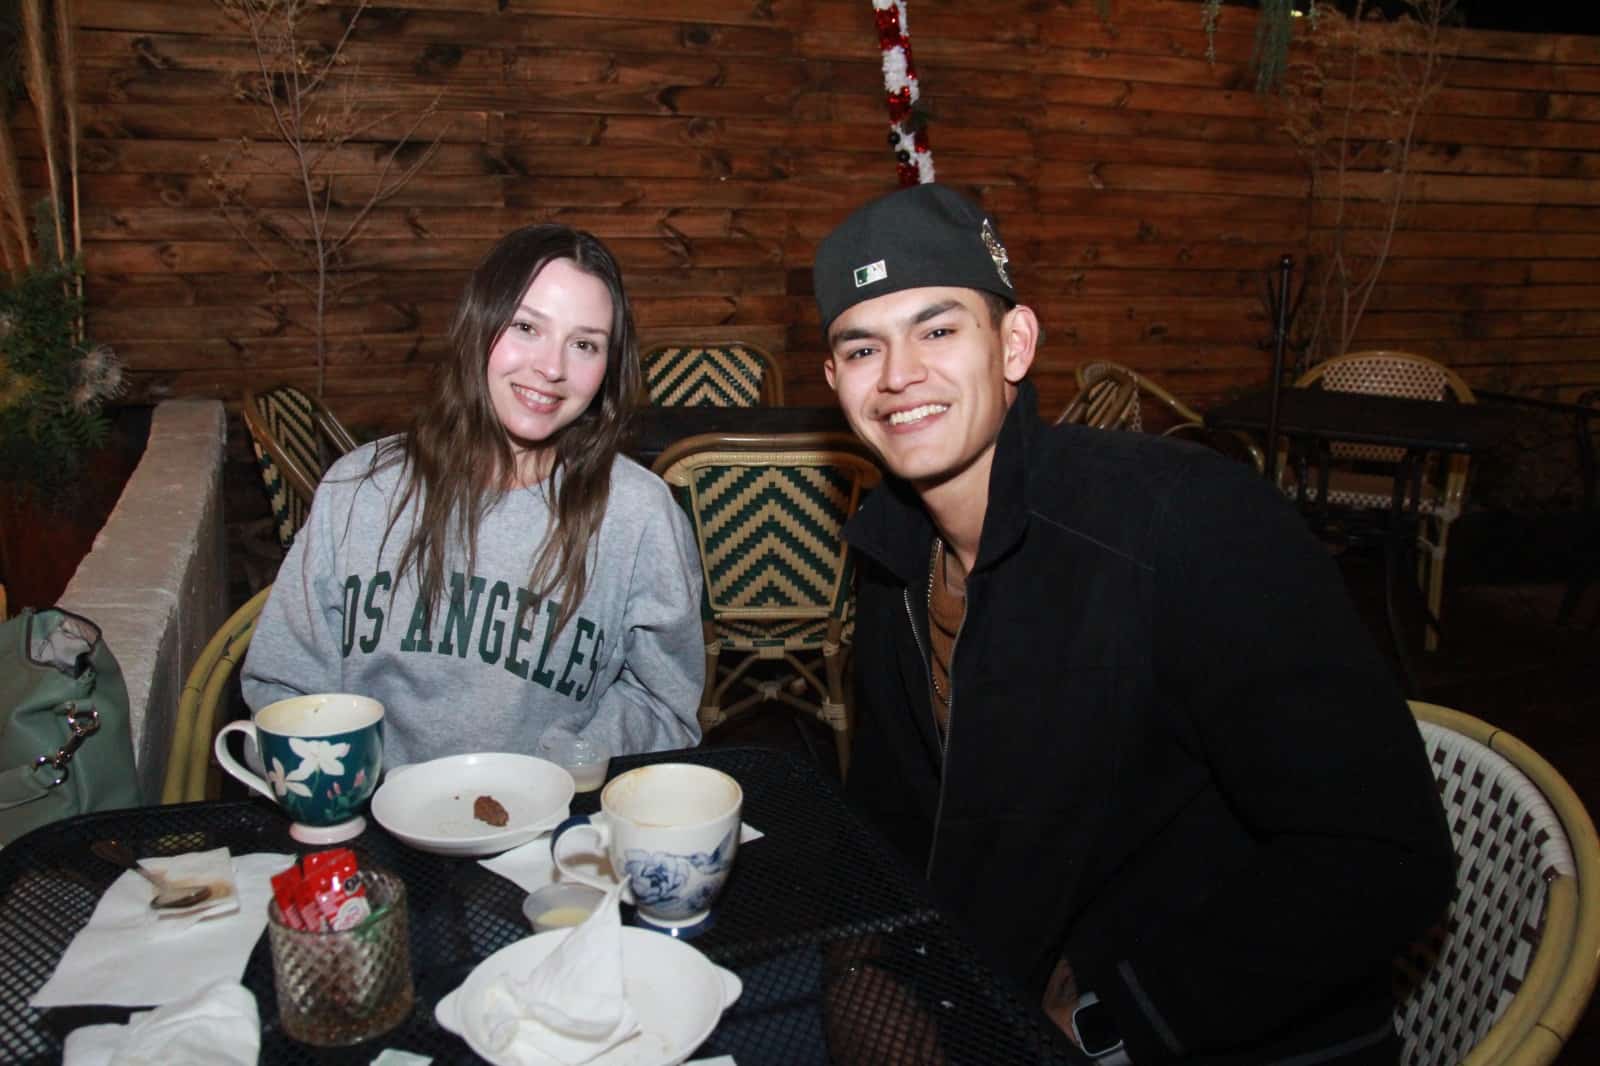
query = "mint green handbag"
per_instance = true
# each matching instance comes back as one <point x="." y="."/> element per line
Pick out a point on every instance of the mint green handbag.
<point x="65" y="747"/>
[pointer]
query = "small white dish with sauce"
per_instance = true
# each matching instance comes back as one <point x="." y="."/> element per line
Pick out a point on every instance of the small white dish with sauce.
<point x="560" y="905"/>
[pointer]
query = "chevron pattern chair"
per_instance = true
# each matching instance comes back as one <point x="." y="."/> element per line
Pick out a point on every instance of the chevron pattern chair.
<point x="735" y="374"/>
<point x="1507" y="974"/>
<point x="295" y="440"/>
<point x="768" y="513"/>
<point x="1361" y="477"/>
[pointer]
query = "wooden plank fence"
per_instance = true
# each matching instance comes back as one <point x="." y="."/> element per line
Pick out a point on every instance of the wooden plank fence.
<point x="1143" y="190"/>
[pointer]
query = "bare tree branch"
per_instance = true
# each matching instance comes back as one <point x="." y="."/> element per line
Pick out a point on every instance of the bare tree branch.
<point x="1358" y="85"/>
<point x="313" y="116"/>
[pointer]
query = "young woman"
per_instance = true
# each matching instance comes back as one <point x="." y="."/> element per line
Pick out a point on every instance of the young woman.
<point x="501" y="568"/>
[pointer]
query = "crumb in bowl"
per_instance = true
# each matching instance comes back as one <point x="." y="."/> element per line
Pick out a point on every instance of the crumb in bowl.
<point x="488" y="809"/>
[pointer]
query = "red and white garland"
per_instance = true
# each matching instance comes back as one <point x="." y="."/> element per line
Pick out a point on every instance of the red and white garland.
<point x="913" y="157"/>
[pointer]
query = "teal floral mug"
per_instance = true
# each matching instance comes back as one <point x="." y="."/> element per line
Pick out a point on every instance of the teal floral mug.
<point x="322" y="754"/>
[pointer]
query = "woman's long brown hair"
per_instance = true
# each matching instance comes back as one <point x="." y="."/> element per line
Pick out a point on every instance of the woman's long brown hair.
<point x="458" y="459"/>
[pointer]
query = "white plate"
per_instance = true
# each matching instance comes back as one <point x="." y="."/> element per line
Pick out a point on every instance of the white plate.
<point x="677" y="993"/>
<point x="429" y="805"/>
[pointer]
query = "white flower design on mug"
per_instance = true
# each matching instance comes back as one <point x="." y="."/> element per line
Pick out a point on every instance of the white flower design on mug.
<point x="283" y="784"/>
<point x="317" y="756"/>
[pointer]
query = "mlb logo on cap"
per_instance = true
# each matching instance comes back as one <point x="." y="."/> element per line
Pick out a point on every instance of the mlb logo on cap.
<point x="871" y="272"/>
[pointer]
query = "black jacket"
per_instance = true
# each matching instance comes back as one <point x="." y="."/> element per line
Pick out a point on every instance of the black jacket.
<point x="1174" y="754"/>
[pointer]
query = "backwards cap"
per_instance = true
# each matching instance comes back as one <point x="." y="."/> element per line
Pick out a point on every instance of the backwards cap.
<point x="925" y="235"/>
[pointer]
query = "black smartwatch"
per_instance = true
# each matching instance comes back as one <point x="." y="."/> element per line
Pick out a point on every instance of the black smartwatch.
<point x="1096" y="1031"/>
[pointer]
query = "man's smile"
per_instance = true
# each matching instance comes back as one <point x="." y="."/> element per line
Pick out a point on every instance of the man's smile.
<point x="915" y="415"/>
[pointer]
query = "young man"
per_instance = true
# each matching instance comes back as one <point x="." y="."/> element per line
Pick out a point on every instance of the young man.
<point x="1112" y="697"/>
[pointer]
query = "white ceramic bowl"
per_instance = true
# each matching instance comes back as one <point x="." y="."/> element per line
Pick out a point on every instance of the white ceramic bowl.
<point x="677" y="993"/>
<point x="429" y="805"/>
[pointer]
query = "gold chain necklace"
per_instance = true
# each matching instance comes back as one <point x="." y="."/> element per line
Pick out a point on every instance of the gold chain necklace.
<point x="935" y="573"/>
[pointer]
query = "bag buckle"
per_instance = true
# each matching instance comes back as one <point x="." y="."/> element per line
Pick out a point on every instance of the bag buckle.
<point x="82" y="723"/>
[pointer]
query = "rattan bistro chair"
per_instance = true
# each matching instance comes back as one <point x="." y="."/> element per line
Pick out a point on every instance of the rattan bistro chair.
<point x="189" y="774"/>
<point x="1507" y="975"/>
<point x="295" y="438"/>
<point x="735" y="374"/>
<point x="1362" y="475"/>
<point x="768" y="514"/>
<point x="1109" y="397"/>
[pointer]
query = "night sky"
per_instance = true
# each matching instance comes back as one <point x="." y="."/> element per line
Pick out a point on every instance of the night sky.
<point x="1525" y="16"/>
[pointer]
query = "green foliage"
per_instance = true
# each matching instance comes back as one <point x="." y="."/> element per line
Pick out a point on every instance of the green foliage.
<point x="53" y="388"/>
<point x="1274" y="33"/>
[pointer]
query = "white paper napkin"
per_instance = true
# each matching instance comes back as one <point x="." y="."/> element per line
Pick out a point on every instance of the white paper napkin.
<point x="217" y="1026"/>
<point x="531" y="866"/>
<point x="395" y="1057"/>
<point x="213" y="868"/>
<point x="572" y="1007"/>
<point x="112" y="959"/>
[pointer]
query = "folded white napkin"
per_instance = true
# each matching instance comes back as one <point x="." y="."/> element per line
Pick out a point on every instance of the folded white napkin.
<point x="217" y="1026"/>
<point x="111" y="960"/>
<point x="213" y="868"/>
<point x="531" y="867"/>
<point x="572" y="1007"/>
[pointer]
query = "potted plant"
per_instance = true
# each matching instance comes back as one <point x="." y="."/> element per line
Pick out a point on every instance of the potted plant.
<point x="54" y="381"/>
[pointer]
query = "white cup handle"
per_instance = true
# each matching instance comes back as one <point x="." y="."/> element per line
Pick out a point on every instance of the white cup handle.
<point x="230" y="764"/>
<point x="582" y="823"/>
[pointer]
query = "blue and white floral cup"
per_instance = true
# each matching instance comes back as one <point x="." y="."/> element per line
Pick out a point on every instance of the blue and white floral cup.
<point x="671" y="831"/>
<point x="322" y="753"/>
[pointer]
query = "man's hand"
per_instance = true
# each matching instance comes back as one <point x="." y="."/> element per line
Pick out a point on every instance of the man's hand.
<point x="1061" y="998"/>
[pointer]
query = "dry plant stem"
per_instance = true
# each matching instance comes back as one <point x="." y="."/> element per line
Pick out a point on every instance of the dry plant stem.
<point x="1425" y="87"/>
<point x="14" y="227"/>
<point x="44" y="103"/>
<point x="1359" y="69"/>
<point x="66" y="52"/>
<point x="290" y="77"/>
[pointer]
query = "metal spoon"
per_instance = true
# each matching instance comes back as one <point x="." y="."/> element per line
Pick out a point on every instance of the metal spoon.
<point x="117" y="854"/>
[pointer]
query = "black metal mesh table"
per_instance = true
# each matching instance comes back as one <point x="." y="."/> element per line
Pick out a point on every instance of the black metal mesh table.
<point x="820" y="885"/>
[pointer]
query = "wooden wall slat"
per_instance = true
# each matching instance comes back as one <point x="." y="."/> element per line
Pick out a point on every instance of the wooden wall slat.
<point x="1145" y="193"/>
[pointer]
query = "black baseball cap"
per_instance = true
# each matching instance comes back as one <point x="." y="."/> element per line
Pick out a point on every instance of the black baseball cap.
<point x="921" y="236"/>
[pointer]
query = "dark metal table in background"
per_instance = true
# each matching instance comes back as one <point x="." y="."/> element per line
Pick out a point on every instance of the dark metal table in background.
<point x="818" y="880"/>
<point x="1316" y="418"/>
<point x="1362" y="418"/>
<point x="653" y="429"/>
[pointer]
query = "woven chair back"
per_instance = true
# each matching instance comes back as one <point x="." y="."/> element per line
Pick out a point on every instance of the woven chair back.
<point x="1383" y="373"/>
<point x="189" y="774"/>
<point x="1456" y="984"/>
<point x="711" y="375"/>
<point x="288" y="431"/>
<point x="1108" y="398"/>
<point x="769" y="516"/>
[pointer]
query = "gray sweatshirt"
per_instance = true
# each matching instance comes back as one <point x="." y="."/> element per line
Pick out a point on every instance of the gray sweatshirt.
<point x="485" y="673"/>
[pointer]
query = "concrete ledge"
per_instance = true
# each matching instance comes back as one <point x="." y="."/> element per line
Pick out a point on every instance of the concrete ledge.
<point x="156" y="579"/>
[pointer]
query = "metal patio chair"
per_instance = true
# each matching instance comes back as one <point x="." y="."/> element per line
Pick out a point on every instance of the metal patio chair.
<point x="190" y="775"/>
<point x="768" y="513"/>
<point x="1505" y="977"/>
<point x="1361" y="477"/>
<point x="1110" y="396"/>
<point x="295" y="439"/>
<point x="731" y="374"/>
